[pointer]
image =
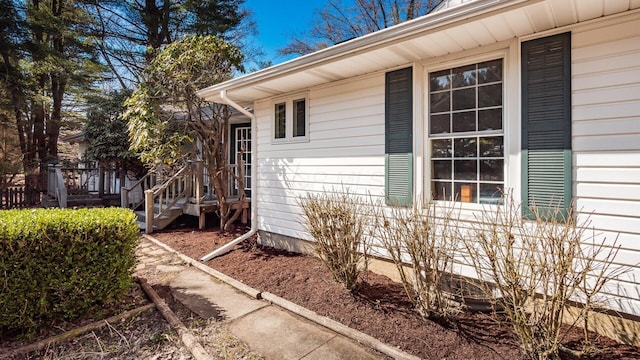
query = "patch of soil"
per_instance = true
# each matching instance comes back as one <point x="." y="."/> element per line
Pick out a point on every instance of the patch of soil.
<point x="378" y="307"/>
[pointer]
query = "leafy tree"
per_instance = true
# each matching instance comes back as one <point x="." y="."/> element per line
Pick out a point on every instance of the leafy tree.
<point x="10" y="164"/>
<point x="166" y="117"/>
<point x="48" y="59"/>
<point x="10" y="25"/>
<point x="132" y="31"/>
<point x="337" y="22"/>
<point x="107" y="133"/>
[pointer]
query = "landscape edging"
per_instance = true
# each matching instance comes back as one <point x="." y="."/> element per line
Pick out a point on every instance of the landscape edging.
<point x="200" y="266"/>
<point x="333" y="325"/>
<point x="340" y="328"/>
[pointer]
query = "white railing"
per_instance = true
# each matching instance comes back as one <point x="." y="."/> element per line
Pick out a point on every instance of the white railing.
<point x="132" y="196"/>
<point x="162" y="198"/>
<point x="56" y="186"/>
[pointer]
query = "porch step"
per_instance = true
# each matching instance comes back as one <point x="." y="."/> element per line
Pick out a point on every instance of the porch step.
<point x="161" y="222"/>
<point x="141" y="225"/>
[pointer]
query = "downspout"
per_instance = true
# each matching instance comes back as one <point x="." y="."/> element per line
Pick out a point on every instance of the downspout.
<point x="254" y="179"/>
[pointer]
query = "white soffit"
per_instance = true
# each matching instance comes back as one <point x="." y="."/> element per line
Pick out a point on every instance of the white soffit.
<point x="466" y="26"/>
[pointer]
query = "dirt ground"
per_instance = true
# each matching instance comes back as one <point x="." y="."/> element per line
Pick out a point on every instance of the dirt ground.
<point x="378" y="307"/>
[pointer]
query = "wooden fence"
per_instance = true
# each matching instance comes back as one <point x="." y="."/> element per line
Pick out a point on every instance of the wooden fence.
<point x="17" y="197"/>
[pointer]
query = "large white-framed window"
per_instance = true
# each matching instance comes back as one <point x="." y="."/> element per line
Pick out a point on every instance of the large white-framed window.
<point x="466" y="132"/>
<point x="291" y="119"/>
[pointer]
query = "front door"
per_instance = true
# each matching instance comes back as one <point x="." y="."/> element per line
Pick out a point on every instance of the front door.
<point x="241" y="143"/>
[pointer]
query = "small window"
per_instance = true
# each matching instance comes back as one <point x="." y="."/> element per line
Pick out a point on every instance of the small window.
<point x="290" y="120"/>
<point x="465" y="129"/>
<point x="281" y="121"/>
<point x="299" y="118"/>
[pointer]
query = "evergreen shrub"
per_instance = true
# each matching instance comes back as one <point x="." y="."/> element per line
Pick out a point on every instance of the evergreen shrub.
<point x="61" y="264"/>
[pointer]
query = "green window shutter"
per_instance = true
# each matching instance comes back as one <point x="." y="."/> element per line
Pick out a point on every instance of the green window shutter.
<point x="546" y="124"/>
<point x="398" y="130"/>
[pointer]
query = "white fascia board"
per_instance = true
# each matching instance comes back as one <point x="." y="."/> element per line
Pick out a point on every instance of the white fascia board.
<point x="364" y="43"/>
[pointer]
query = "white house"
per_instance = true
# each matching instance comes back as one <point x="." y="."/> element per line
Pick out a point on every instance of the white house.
<point x="541" y="97"/>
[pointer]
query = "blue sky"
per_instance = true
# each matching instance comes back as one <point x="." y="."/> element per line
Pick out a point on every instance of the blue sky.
<point x="278" y="20"/>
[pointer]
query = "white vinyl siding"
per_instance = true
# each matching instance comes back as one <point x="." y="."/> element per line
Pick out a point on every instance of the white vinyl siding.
<point x="346" y="140"/>
<point x="345" y="150"/>
<point x="606" y="142"/>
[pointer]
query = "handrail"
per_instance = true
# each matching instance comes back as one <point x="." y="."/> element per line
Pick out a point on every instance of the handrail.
<point x="146" y="182"/>
<point x="60" y="188"/>
<point x="170" y="192"/>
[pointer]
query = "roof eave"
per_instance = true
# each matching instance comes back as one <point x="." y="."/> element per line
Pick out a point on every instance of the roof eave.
<point x="376" y="39"/>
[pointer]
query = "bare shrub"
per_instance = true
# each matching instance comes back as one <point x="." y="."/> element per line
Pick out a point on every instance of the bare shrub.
<point x="422" y="243"/>
<point x="336" y="221"/>
<point x="533" y="270"/>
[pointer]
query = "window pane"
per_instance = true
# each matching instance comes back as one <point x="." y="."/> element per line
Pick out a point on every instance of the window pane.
<point x="491" y="194"/>
<point x="467" y="102"/>
<point x="439" y="102"/>
<point x="441" y="169"/>
<point x="489" y="95"/>
<point x="465" y="147"/>
<point x="440" y="80"/>
<point x="441" y="148"/>
<point x="491" y="146"/>
<point x="465" y="170"/>
<point x="281" y="121"/>
<point x="492" y="170"/>
<point x="465" y="121"/>
<point x="490" y="71"/>
<point x="299" y="118"/>
<point x="464" y="99"/>
<point x="465" y="192"/>
<point x="440" y="124"/>
<point x="441" y="190"/>
<point x="490" y="119"/>
<point x="464" y="76"/>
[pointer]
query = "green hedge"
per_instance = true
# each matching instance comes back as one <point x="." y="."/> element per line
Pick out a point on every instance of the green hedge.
<point x="60" y="264"/>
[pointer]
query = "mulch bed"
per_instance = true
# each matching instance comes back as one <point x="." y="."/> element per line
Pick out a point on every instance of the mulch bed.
<point x="378" y="307"/>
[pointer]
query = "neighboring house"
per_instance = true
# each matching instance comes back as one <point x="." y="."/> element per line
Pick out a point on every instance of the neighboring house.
<point x="540" y="97"/>
<point x="187" y="191"/>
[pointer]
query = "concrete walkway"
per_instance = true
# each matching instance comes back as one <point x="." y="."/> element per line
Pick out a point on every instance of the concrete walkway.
<point x="267" y="329"/>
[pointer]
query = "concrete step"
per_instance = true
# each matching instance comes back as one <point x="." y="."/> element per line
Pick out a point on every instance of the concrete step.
<point x="142" y="225"/>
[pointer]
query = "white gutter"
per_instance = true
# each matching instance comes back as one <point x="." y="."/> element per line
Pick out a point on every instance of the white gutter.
<point x="254" y="178"/>
<point x="381" y="38"/>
